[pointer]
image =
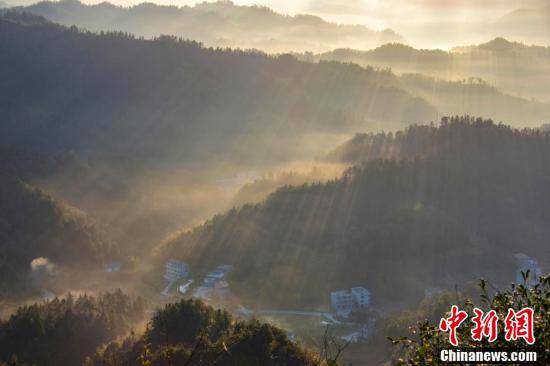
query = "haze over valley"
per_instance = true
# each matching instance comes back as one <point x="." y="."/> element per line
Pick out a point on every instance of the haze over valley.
<point x="211" y="183"/>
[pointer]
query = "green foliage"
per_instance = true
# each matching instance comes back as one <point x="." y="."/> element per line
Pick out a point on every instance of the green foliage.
<point x="184" y="321"/>
<point x="424" y="347"/>
<point x="65" y="331"/>
<point x="190" y="333"/>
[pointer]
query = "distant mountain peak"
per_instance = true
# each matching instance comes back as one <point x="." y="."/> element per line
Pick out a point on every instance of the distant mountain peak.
<point x="501" y="44"/>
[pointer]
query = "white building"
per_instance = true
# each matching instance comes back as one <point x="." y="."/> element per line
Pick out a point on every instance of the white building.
<point x="343" y="302"/>
<point x="114" y="266"/>
<point x="362" y="296"/>
<point x="184" y="288"/>
<point x="525" y="263"/>
<point x="175" y="269"/>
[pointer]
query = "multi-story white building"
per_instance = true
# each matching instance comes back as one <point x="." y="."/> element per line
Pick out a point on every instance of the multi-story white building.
<point x="362" y="296"/>
<point x="343" y="302"/>
<point x="175" y="269"/>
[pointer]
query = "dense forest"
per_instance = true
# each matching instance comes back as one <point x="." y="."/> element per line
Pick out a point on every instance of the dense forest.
<point x="91" y="331"/>
<point x="108" y="104"/>
<point x="65" y="331"/>
<point x="34" y="225"/>
<point x="190" y="333"/>
<point x="453" y="136"/>
<point x="469" y="196"/>
<point x="218" y="23"/>
<point x="135" y="138"/>
<point x="144" y="124"/>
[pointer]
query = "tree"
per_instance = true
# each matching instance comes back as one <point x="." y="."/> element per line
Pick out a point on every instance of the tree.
<point x="424" y="347"/>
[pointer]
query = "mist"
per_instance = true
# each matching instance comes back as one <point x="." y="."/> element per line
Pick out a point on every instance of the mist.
<point x="422" y="23"/>
<point x="340" y="170"/>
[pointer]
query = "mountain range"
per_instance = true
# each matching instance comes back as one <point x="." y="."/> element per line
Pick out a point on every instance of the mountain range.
<point x="512" y="67"/>
<point x="146" y="121"/>
<point x="132" y="130"/>
<point x="220" y="24"/>
<point x="428" y="207"/>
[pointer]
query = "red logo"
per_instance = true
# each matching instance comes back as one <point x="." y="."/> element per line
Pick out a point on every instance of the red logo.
<point x="485" y="325"/>
<point x="452" y="323"/>
<point x="518" y="324"/>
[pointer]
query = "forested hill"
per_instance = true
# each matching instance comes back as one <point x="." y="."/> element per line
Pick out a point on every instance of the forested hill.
<point x="394" y="226"/>
<point x="113" y="94"/>
<point x="512" y="67"/>
<point x="67" y="332"/>
<point x="452" y="137"/>
<point x="219" y="23"/>
<point x="64" y="331"/>
<point x="34" y="225"/>
<point x="191" y="333"/>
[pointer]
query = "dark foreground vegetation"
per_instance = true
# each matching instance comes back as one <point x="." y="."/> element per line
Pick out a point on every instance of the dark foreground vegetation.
<point x="75" y="331"/>
<point x="425" y="344"/>
<point x="64" y="331"/>
<point x="191" y="333"/>
<point x="67" y="332"/>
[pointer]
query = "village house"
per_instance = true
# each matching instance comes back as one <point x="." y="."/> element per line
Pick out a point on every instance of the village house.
<point x="344" y="302"/>
<point x="175" y="269"/>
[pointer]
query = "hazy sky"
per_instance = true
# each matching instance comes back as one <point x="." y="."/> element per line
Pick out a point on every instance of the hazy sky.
<point x="423" y="23"/>
<point x="382" y="13"/>
<point x="374" y="13"/>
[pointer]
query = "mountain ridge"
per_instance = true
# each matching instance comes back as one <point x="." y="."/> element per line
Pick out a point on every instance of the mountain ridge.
<point x="513" y="67"/>
<point x="221" y="23"/>
<point x="439" y="218"/>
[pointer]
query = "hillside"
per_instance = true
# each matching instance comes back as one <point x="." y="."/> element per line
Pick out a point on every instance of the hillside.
<point x="428" y="142"/>
<point x="190" y="333"/>
<point x="395" y="226"/>
<point x="108" y="103"/>
<point x="34" y="225"/>
<point x="221" y="23"/>
<point x="478" y="98"/>
<point x="96" y="330"/>
<point x="66" y="330"/>
<point x="153" y="124"/>
<point x="512" y="67"/>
